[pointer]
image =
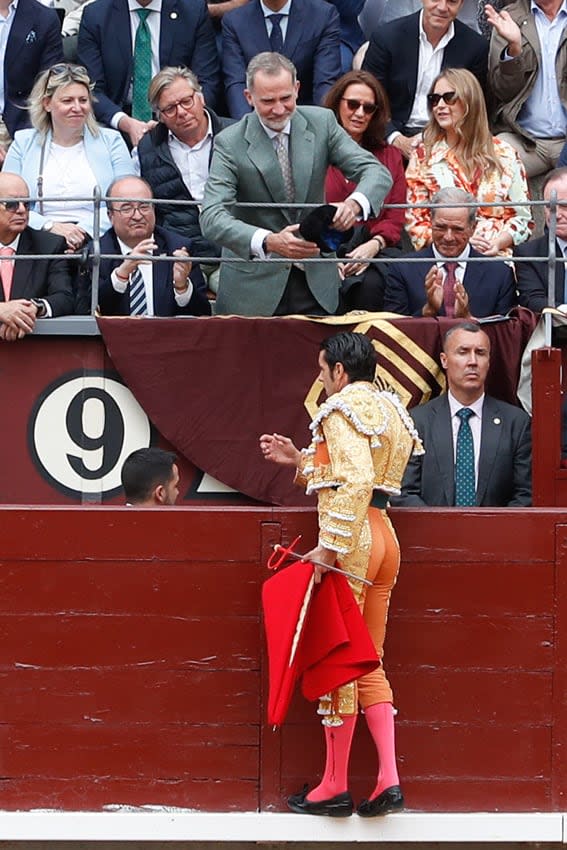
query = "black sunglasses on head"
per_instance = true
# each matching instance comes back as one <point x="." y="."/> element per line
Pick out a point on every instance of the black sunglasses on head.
<point x="447" y="96"/>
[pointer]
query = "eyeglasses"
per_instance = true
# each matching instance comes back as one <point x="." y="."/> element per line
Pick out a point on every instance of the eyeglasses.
<point x="77" y="73"/>
<point x="171" y="109"/>
<point x="447" y="96"/>
<point x="12" y="206"/>
<point x="353" y="105"/>
<point x="129" y="209"/>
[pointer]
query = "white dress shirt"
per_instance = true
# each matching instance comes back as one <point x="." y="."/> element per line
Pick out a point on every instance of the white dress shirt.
<point x="285" y="10"/>
<point x="193" y="161"/>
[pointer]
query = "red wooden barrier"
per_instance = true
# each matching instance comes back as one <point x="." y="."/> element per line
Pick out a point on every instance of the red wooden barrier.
<point x="133" y="670"/>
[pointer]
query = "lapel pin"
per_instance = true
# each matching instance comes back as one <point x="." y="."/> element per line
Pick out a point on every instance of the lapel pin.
<point x="173" y="16"/>
<point x="496" y="421"/>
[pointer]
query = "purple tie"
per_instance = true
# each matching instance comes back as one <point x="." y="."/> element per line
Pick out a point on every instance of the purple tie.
<point x="449" y="289"/>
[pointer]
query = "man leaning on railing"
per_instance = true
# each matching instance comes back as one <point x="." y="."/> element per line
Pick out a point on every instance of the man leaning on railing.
<point x="30" y="288"/>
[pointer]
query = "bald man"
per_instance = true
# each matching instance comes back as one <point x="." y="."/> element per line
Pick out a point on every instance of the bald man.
<point x="29" y="289"/>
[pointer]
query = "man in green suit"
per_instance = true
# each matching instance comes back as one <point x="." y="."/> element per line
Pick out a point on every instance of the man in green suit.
<point x="250" y="167"/>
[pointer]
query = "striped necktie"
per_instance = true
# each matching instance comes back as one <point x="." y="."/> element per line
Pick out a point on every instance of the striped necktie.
<point x="138" y="301"/>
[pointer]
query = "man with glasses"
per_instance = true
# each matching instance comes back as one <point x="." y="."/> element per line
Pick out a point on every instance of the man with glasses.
<point x="123" y="45"/>
<point x="174" y="157"/>
<point x="406" y="56"/>
<point x="29" y="289"/>
<point x="133" y="286"/>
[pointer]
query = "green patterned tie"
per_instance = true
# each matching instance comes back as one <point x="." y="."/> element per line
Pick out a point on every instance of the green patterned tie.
<point x="141" y="109"/>
<point x="465" y="487"/>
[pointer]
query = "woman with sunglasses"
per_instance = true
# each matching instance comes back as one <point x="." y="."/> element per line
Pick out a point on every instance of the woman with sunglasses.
<point x="459" y="150"/>
<point x="66" y="155"/>
<point x="361" y="108"/>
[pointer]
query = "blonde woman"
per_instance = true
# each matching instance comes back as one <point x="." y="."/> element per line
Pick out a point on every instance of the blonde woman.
<point x="459" y="150"/>
<point x="66" y="154"/>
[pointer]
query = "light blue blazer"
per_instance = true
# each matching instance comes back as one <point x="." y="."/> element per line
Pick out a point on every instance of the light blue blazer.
<point x="107" y="154"/>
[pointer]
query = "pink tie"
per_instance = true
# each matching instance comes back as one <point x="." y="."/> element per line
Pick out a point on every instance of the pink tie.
<point x="7" y="271"/>
<point x="449" y="289"/>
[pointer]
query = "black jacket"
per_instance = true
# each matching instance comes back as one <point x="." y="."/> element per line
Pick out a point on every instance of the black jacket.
<point x="159" y="169"/>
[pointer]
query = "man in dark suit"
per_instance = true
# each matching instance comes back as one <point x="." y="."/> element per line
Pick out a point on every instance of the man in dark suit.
<point x="310" y="38"/>
<point x="279" y="155"/>
<point x="106" y="40"/>
<point x="500" y="449"/>
<point x="139" y="287"/>
<point x="33" y="44"/>
<point x="532" y="276"/>
<point x="446" y="283"/>
<point x="407" y="54"/>
<point x="29" y="289"/>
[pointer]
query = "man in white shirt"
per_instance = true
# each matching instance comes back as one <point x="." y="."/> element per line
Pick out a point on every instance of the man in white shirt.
<point x="528" y="76"/>
<point x="407" y="54"/>
<point x="175" y="156"/>
<point x="491" y="457"/>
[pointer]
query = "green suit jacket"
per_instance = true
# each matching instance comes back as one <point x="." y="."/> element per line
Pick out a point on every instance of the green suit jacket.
<point x="245" y="169"/>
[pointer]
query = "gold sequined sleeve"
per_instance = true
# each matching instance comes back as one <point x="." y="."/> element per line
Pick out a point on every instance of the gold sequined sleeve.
<point x="343" y="501"/>
<point x="301" y="477"/>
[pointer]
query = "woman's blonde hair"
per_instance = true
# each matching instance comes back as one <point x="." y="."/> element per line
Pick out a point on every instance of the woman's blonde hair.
<point x="47" y="83"/>
<point x="475" y="147"/>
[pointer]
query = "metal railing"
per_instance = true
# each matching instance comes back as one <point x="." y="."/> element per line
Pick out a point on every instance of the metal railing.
<point x="95" y="256"/>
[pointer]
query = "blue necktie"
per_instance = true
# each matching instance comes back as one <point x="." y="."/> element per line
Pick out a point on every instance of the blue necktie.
<point x="276" y="35"/>
<point x="138" y="302"/>
<point x="465" y="488"/>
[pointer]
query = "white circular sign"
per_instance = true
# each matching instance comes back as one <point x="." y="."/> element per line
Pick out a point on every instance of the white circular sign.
<point x="84" y="429"/>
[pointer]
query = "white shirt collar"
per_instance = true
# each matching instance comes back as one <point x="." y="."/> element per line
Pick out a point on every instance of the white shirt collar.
<point x="153" y="6"/>
<point x="273" y="133"/>
<point x="14" y="244"/>
<point x="535" y="8"/>
<point x="461" y="259"/>
<point x="455" y="405"/>
<point x="285" y="10"/>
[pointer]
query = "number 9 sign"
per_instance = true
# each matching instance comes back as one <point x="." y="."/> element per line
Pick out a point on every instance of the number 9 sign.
<point x="81" y="431"/>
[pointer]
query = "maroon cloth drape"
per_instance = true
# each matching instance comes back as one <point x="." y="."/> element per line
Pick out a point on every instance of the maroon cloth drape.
<point x="211" y="386"/>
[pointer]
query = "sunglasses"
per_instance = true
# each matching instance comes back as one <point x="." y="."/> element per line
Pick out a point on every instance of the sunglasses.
<point x="447" y="96"/>
<point x="353" y="105"/>
<point x="12" y="206"/>
<point x="76" y="72"/>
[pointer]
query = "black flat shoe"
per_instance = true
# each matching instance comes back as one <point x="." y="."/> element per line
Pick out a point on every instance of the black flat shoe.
<point x="390" y="800"/>
<point x="339" y="806"/>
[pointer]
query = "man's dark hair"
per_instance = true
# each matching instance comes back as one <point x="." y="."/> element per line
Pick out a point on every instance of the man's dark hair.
<point x="354" y="351"/>
<point x="144" y="470"/>
<point x="471" y="327"/>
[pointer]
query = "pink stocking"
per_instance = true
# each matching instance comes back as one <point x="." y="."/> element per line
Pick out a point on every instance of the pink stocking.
<point x="380" y="720"/>
<point x="338" y="740"/>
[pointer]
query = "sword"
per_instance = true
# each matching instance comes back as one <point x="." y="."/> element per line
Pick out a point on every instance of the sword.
<point x="297" y="557"/>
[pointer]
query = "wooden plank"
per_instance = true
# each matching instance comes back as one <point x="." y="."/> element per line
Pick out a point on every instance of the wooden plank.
<point x="175" y="589"/>
<point x="477" y="534"/>
<point x="85" y="794"/>
<point x="434" y="588"/>
<point x="228" y="697"/>
<point x="129" y="750"/>
<point x="513" y="643"/>
<point x="559" y="746"/>
<point x="546" y="424"/>
<point x="121" y="640"/>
